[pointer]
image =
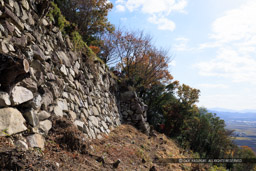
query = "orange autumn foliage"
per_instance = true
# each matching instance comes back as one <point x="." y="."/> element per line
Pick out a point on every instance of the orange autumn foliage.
<point x="246" y="147"/>
<point x="135" y="56"/>
<point x="95" y="49"/>
<point x="149" y="69"/>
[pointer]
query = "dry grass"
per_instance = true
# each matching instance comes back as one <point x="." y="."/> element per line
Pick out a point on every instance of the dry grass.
<point x="67" y="147"/>
<point x="136" y="150"/>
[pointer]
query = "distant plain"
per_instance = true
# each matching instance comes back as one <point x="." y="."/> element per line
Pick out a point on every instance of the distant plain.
<point x="243" y="124"/>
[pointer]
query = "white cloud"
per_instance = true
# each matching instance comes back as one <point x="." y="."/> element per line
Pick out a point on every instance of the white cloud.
<point x="234" y="36"/>
<point x="155" y="6"/>
<point x="120" y="8"/>
<point x="209" y="45"/>
<point x="182" y="44"/>
<point x="213" y="86"/>
<point x="180" y="6"/>
<point x="238" y="101"/>
<point x="231" y="64"/>
<point x="158" y="10"/>
<point x="236" y="24"/>
<point x="123" y="19"/>
<point x="163" y="23"/>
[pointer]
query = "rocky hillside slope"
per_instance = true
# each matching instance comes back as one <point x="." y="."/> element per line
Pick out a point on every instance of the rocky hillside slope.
<point x="125" y="148"/>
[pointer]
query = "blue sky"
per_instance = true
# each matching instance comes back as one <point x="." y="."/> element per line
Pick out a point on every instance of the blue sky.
<point x="212" y="44"/>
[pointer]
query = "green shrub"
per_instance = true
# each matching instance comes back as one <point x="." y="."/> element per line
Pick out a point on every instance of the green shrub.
<point x="216" y="168"/>
<point x="56" y="16"/>
<point x="78" y="42"/>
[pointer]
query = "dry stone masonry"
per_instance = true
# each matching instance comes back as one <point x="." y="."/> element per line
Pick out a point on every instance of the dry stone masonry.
<point x="41" y="76"/>
<point x="134" y="111"/>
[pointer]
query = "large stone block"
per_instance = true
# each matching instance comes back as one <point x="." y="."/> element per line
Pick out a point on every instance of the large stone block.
<point x="128" y="95"/>
<point x="45" y="126"/>
<point x="38" y="53"/>
<point x="21" y="144"/>
<point x="63" y="69"/>
<point x="25" y="4"/>
<point x="95" y="111"/>
<point x="62" y="103"/>
<point x="29" y="84"/>
<point x="14" y="18"/>
<point x="43" y="115"/>
<point x="79" y="124"/>
<point x="64" y="58"/>
<point x="20" y="95"/>
<point x="4" y="99"/>
<point x="58" y="111"/>
<point x="11" y="122"/>
<point x="72" y="115"/>
<point x="32" y="117"/>
<point x="94" y="120"/>
<point x="47" y="99"/>
<point x="37" y="101"/>
<point x="36" y="140"/>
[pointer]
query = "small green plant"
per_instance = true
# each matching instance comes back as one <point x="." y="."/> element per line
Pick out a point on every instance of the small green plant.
<point x="140" y="153"/>
<point x="5" y="132"/>
<point x="56" y="16"/>
<point x="184" y="167"/>
<point x="78" y="42"/>
<point x="70" y="29"/>
<point x="131" y="161"/>
<point x="108" y="146"/>
<point x="217" y="168"/>
<point x="51" y="142"/>
<point x="196" y="155"/>
<point x="39" y="150"/>
<point x="170" y="154"/>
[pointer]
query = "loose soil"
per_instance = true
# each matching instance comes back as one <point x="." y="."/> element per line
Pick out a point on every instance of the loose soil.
<point x="125" y="148"/>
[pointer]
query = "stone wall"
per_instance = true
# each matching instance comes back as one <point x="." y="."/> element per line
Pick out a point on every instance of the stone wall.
<point x="59" y="83"/>
<point x="134" y="111"/>
<point x="41" y="76"/>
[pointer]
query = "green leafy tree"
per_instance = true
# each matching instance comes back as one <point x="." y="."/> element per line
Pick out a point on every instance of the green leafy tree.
<point x="157" y="97"/>
<point x="187" y="95"/>
<point x="178" y="113"/>
<point x="245" y="152"/>
<point x="208" y="135"/>
<point x="90" y="16"/>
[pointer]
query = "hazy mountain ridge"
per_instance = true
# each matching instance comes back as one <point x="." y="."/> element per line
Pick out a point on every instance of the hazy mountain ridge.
<point x="242" y="122"/>
<point x="227" y="114"/>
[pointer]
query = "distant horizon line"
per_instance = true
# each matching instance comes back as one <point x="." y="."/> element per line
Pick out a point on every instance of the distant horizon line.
<point x="232" y="110"/>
